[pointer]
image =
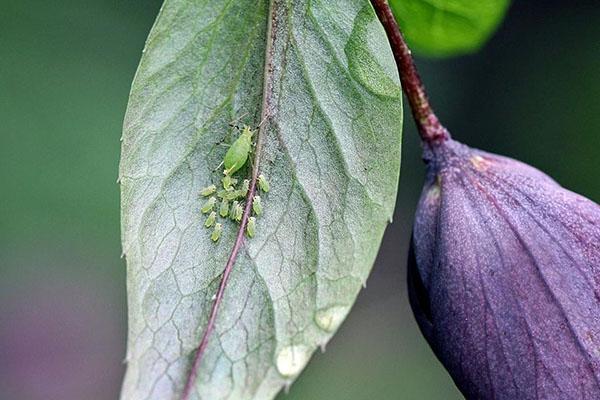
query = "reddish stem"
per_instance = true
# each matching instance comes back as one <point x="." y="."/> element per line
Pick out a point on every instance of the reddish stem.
<point x="430" y="128"/>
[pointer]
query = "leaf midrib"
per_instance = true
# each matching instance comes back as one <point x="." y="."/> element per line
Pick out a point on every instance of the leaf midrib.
<point x="267" y="94"/>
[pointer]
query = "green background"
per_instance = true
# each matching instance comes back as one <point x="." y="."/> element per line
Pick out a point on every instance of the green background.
<point x="65" y="71"/>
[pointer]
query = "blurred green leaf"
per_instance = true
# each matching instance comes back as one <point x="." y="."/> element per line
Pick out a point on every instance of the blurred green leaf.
<point x="331" y="152"/>
<point x="448" y="27"/>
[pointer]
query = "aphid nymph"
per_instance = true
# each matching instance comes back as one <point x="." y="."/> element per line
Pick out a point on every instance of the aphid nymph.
<point x="263" y="184"/>
<point x="257" y="206"/>
<point x="228" y="194"/>
<point x="224" y="209"/>
<point x="239" y="212"/>
<point x="228" y="181"/>
<point x="210" y="220"/>
<point x="207" y="191"/>
<point x="233" y="210"/>
<point x="245" y="187"/>
<point x="251" y="227"/>
<point x="209" y="205"/>
<point x="216" y="233"/>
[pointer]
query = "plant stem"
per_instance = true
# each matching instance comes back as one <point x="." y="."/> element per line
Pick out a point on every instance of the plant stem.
<point x="430" y="129"/>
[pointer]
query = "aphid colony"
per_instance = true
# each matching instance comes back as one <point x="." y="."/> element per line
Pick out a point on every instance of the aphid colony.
<point x="228" y="202"/>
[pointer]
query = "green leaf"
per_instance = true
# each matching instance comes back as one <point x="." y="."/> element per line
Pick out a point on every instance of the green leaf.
<point x="448" y="27"/>
<point x="325" y="76"/>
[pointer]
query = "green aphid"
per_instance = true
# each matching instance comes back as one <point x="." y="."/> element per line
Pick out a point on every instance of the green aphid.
<point x="237" y="155"/>
<point x="228" y="182"/>
<point x="257" y="206"/>
<point x="229" y="194"/>
<point x="236" y="212"/>
<point x="263" y="184"/>
<point x="207" y="191"/>
<point x="245" y="187"/>
<point x="251" y="227"/>
<point x="224" y="209"/>
<point x="232" y="212"/>
<point x="209" y="205"/>
<point x="210" y="220"/>
<point x="216" y="233"/>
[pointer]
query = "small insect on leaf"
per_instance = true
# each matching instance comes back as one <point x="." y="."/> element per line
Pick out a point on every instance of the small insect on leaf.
<point x="236" y="211"/>
<point x="237" y="155"/>
<point x="245" y="187"/>
<point x="209" y="205"/>
<point x="228" y="194"/>
<point x="251" y="227"/>
<point x="257" y="206"/>
<point x="234" y="206"/>
<point x="224" y="209"/>
<point x="216" y="233"/>
<point x="263" y="184"/>
<point x="207" y="191"/>
<point x="210" y="220"/>
<point x="228" y="182"/>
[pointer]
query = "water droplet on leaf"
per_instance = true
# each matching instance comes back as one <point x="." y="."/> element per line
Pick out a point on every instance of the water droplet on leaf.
<point x="292" y="359"/>
<point x="330" y="318"/>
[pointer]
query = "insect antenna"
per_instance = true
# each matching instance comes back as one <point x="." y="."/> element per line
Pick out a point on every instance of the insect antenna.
<point x="234" y="123"/>
<point x="261" y="122"/>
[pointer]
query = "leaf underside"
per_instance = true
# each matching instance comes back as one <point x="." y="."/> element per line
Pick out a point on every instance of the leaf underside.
<point x="331" y="152"/>
<point x="448" y="27"/>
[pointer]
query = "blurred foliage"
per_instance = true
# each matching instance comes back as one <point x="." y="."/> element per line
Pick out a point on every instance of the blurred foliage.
<point x="65" y="72"/>
<point x="448" y="27"/>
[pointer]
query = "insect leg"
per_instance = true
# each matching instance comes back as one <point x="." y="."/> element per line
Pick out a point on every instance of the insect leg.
<point x="218" y="166"/>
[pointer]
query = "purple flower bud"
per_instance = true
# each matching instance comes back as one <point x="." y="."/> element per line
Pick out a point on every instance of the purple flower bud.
<point x="504" y="277"/>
